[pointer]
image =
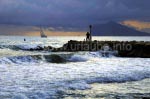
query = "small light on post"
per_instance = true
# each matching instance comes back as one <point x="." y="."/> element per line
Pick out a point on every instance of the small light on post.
<point x="90" y="32"/>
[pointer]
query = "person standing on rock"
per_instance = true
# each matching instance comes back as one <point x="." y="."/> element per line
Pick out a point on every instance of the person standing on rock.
<point x="88" y="36"/>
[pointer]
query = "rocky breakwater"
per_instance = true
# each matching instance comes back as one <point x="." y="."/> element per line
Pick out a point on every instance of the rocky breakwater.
<point x="124" y="48"/>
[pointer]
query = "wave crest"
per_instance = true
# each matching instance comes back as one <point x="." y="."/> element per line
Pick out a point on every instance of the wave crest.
<point x="21" y="47"/>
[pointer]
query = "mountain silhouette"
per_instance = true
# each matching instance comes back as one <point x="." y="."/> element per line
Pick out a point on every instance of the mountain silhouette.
<point x="115" y="29"/>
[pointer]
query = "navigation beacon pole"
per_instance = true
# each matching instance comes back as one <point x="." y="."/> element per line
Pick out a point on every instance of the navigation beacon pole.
<point x="90" y="32"/>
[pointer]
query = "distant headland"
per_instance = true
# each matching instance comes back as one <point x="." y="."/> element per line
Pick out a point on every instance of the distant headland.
<point x="115" y="29"/>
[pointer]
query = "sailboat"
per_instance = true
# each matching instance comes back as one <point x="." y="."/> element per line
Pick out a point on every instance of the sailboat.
<point x="42" y="33"/>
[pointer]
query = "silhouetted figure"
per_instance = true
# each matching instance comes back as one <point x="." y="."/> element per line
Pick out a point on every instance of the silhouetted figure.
<point x="88" y="36"/>
<point x="24" y="39"/>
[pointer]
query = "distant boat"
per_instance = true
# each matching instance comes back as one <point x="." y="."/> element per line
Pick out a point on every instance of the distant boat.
<point x="42" y="33"/>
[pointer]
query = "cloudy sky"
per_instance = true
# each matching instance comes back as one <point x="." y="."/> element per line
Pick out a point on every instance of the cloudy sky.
<point x="23" y="16"/>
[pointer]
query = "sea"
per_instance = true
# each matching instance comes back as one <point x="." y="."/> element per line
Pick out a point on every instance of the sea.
<point x="85" y="75"/>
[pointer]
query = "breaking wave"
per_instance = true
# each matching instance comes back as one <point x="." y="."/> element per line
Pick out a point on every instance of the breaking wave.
<point x="54" y="58"/>
<point x="53" y="80"/>
<point x="20" y="47"/>
<point x="47" y="80"/>
<point x="32" y="59"/>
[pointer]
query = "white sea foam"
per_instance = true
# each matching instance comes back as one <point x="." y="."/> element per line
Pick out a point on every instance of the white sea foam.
<point x="78" y="58"/>
<point x="41" y="79"/>
<point x="85" y="56"/>
<point x="23" y="76"/>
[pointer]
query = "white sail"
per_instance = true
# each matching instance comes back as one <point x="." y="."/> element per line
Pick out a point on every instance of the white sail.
<point x="42" y="33"/>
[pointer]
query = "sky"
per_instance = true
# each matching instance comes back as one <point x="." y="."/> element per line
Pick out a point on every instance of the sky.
<point x="23" y="17"/>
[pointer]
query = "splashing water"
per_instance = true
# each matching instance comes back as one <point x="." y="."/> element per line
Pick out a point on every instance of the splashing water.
<point x="33" y="75"/>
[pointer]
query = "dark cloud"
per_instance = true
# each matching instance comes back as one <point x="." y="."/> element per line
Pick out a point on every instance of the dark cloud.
<point x="71" y="13"/>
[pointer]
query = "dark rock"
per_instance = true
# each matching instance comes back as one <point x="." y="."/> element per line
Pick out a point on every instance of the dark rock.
<point x="54" y="58"/>
<point x="146" y="98"/>
<point x="124" y="48"/>
<point x="39" y="48"/>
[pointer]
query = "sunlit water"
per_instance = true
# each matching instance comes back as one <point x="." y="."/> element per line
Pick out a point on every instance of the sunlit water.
<point x="86" y="75"/>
